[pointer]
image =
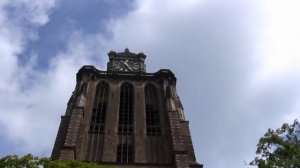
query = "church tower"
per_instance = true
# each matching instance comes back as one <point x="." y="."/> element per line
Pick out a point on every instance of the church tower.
<point x="125" y="117"/>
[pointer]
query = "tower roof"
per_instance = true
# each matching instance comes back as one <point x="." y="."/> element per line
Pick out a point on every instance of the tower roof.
<point x="126" y="53"/>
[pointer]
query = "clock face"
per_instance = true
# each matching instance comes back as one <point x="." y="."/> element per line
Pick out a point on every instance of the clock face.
<point x="126" y="65"/>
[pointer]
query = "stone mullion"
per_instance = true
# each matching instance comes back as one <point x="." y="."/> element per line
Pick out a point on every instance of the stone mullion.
<point x="139" y="124"/>
<point x="110" y="141"/>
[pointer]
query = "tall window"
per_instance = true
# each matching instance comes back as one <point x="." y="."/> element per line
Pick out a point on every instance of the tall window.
<point x="152" y="115"/>
<point x="99" y="109"/>
<point x="124" y="153"/>
<point x="126" y="110"/>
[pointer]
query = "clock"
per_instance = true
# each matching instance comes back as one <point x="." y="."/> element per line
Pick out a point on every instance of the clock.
<point x="126" y="65"/>
<point x="126" y="62"/>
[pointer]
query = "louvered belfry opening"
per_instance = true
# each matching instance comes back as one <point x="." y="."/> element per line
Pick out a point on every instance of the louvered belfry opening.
<point x="152" y="114"/>
<point x="97" y="123"/>
<point x="125" y="129"/>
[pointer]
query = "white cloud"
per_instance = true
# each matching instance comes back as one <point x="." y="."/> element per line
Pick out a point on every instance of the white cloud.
<point x="279" y="54"/>
<point x="14" y="35"/>
<point x="16" y="103"/>
<point x="228" y="75"/>
<point x="34" y="11"/>
<point x="280" y="49"/>
<point x="35" y="111"/>
<point x="221" y="52"/>
<point x="32" y="100"/>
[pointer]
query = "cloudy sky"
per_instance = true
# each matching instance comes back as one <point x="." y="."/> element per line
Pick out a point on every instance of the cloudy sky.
<point x="237" y="64"/>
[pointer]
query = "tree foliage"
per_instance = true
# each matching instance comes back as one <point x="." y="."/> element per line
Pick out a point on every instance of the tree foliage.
<point x="30" y="161"/>
<point x="279" y="148"/>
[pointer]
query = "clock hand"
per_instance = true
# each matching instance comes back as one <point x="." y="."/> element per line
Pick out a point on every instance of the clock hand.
<point x="125" y="63"/>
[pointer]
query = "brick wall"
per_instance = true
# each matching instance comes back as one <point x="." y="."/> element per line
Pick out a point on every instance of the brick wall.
<point x="69" y="147"/>
<point x="61" y="135"/>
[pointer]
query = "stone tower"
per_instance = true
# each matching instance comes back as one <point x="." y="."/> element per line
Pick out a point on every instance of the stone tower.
<point x="125" y="117"/>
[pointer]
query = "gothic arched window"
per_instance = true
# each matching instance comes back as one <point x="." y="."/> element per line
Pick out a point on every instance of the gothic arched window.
<point x="126" y="110"/>
<point x="99" y="109"/>
<point x="124" y="153"/>
<point x="152" y="114"/>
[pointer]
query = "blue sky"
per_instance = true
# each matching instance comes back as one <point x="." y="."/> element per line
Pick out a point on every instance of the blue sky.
<point x="237" y="64"/>
<point x="70" y="16"/>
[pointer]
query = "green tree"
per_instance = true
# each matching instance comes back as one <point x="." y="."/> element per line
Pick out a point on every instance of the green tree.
<point x="279" y="148"/>
<point x="30" y="161"/>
